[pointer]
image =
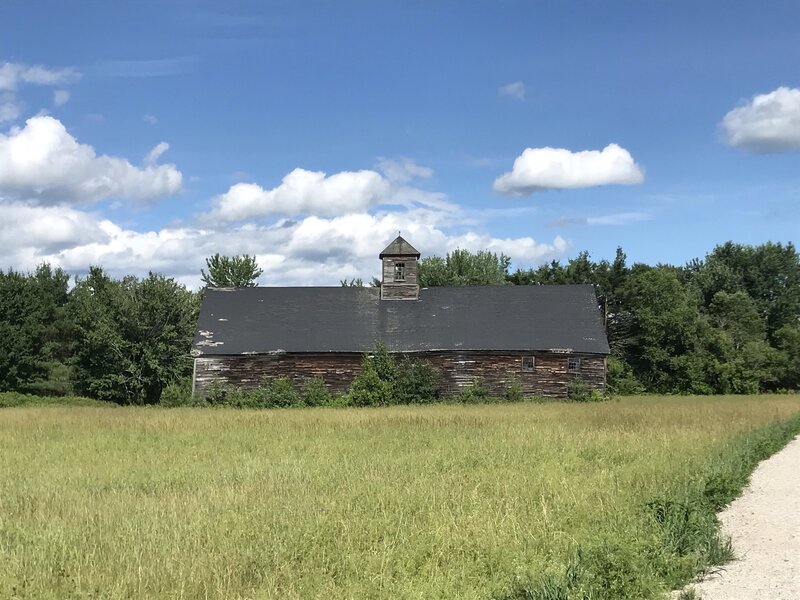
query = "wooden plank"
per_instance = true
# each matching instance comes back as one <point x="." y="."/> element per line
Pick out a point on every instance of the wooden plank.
<point x="549" y="378"/>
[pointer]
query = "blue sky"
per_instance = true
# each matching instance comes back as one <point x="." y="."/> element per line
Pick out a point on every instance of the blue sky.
<point x="148" y="135"/>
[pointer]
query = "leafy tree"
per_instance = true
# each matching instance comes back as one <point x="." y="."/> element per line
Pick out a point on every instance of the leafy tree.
<point x="19" y="331"/>
<point x="462" y="267"/>
<point x="368" y="388"/>
<point x="664" y="344"/>
<point x="231" y="271"/>
<point x="133" y="336"/>
<point x="35" y="333"/>
<point x="736" y="314"/>
<point x="357" y="282"/>
<point x="386" y="380"/>
<point x="769" y="274"/>
<point x="788" y="343"/>
<point x="416" y="381"/>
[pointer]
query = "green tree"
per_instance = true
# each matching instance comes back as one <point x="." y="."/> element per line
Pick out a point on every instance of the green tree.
<point x="231" y="271"/>
<point x="357" y="282"/>
<point x="35" y="333"/>
<point x="134" y="336"/>
<point x="788" y="344"/>
<point x="664" y="344"/>
<point x="462" y="267"/>
<point x="18" y="331"/>
<point x="769" y="274"/>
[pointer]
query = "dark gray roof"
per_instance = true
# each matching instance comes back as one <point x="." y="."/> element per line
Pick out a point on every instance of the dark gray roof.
<point x="399" y="247"/>
<point x="263" y="320"/>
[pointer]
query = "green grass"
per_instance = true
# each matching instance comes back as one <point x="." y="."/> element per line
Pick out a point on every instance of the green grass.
<point x="534" y="501"/>
<point x="13" y="399"/>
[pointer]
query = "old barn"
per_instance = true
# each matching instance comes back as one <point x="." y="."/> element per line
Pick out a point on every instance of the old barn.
<point x="542" y="336"/>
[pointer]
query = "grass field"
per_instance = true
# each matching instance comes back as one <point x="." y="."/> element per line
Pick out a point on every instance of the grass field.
<point x="505" y="501"/>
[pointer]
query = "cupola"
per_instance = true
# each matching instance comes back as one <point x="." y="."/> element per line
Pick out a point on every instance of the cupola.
<point x="399" y="261"/>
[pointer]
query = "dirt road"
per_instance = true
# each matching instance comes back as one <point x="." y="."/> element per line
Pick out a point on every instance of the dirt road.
<point x="764" y="525"/>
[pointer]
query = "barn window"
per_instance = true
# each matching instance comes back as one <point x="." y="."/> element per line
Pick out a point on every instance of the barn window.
<point x="573" y="365"/>
<point x="527" y="363"/>
<point x="399" y="271"/>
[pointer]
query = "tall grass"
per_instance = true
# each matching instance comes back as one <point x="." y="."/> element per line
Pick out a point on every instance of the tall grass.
<point x="509" y="501"/>
<point x="9" y="399"/>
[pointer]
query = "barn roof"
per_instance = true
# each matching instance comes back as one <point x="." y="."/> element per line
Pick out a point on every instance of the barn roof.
<point x="263" y="320"/>
<point x="399" y="247"/>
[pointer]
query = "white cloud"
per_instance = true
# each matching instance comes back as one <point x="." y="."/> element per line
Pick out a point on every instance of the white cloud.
<point x="403" y="169"/>
<point x="515" y="89"/>
<point x="613" y="219"/>
<point x="539" y="169"/>
<point x="150" y="119"/>
<point x="310" y="251"/>
<point x="768" y="123"/>
<point x="30" y="233"/>
<point x="619" y="218"/>
<point x="12" y="74"/>
<point x="43" y="161"/>
<point x="9" y="108"/>
<point x="60" y="97"/>
<point x="304" y="192"/>
<point x="152" y="157"/>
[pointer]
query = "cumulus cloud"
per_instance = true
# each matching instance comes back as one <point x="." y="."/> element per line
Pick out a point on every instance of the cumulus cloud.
<point x="515" y="89"/>
<point x="13" y="74"/>
<point x="540" y="169"/>
<point x="308" y="251"/>
<point x="29" y="234"/>
<point x="150" y="119"/>
<point x="303" y="192"/>
<point x="60" y="97"/>
<point x="42" y="161"/>
<point x="768" y="123"/>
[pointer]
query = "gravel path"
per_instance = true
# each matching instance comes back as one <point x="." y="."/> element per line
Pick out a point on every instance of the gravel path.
<point x="764" y="525"/>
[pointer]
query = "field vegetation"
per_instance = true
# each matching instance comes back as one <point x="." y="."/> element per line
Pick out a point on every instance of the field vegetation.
<point x="509" y="501"/>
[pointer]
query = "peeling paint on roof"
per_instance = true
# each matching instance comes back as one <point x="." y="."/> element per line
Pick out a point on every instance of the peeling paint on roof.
<point x="206" y="339"/>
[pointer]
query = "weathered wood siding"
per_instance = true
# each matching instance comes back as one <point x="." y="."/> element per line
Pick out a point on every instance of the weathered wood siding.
<point x="406" y="289"/>
<point x="411" y="268"/>
<point x="399" y="291"/>
<point x="247" y="371"/>
<point x="549" y="378"/>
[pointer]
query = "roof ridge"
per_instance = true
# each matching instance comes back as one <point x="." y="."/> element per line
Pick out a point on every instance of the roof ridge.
<point x="399" y="247"/>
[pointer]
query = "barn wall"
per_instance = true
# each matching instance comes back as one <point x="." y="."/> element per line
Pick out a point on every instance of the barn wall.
<point x="549" y="377"/>
<point x="247" y="371"/>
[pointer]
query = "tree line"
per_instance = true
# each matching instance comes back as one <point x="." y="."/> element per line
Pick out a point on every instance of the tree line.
<point x="729" y="323"/>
